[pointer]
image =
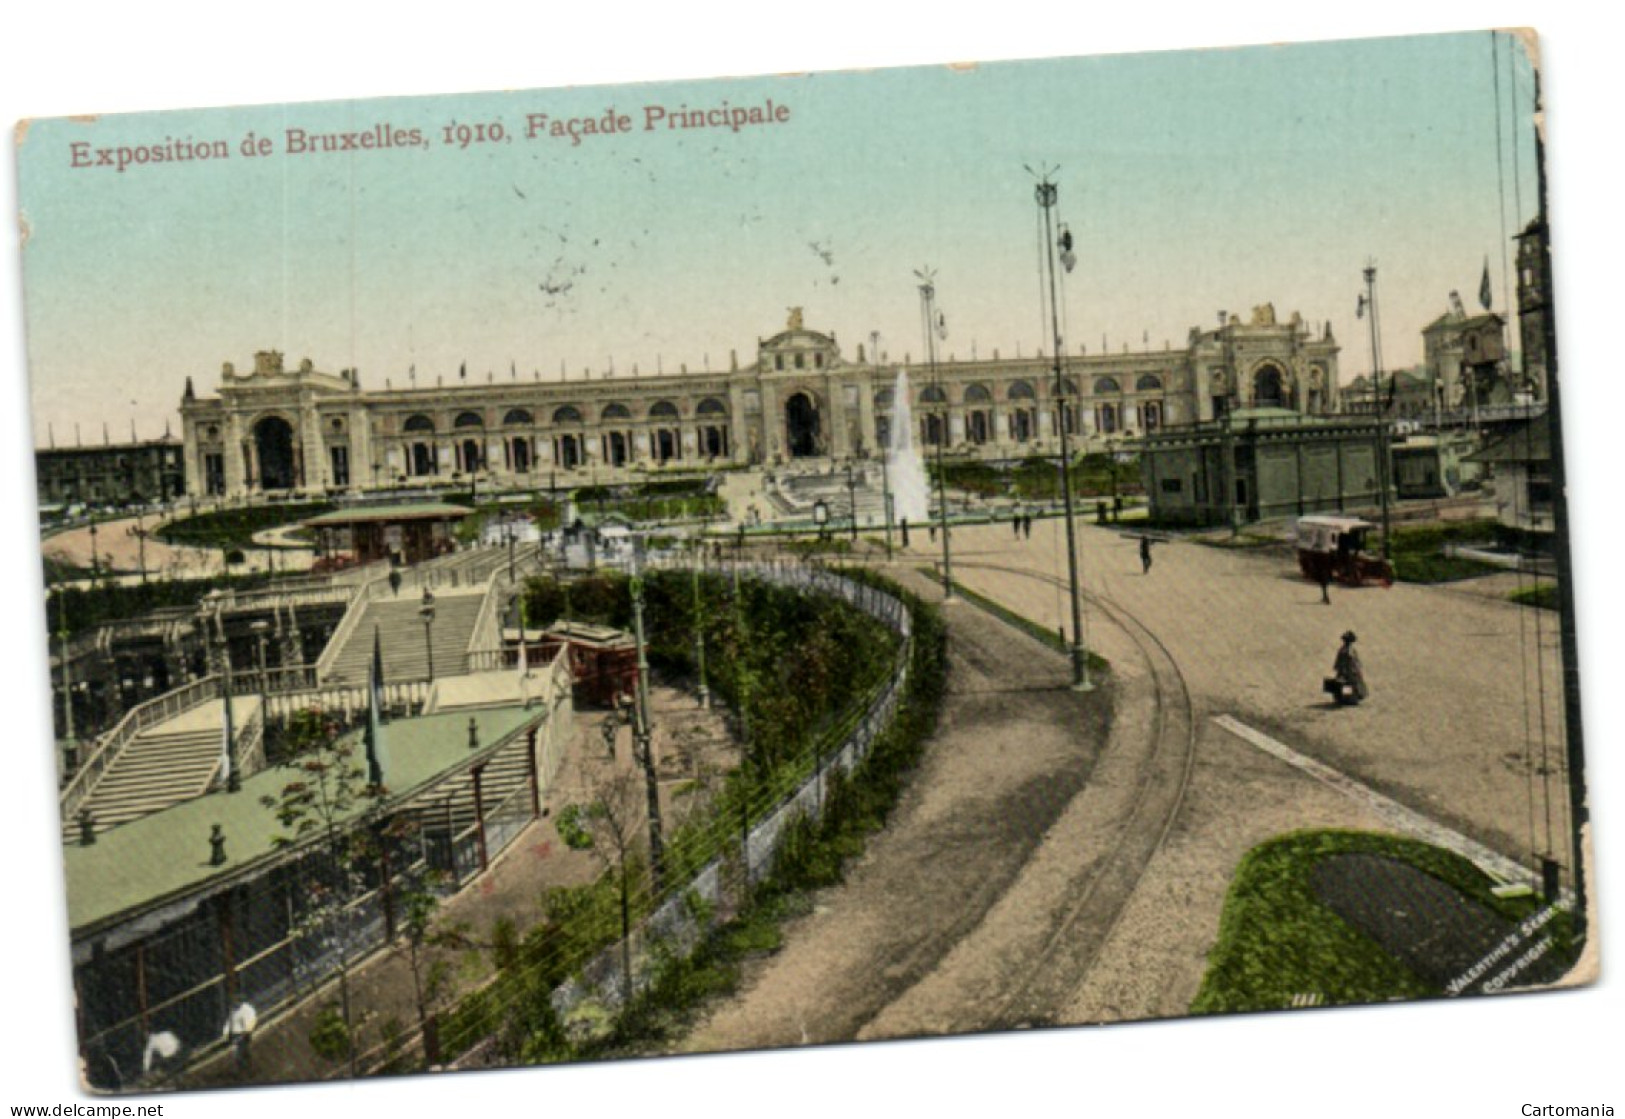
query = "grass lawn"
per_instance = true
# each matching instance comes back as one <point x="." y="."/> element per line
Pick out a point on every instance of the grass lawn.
<point x="1418" y="551"/>
<point x="1277" y="940"/>
<point x="1545" y="597"/>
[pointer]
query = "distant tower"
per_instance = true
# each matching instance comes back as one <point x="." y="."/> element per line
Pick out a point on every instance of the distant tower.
<point x="1534" y="303"/>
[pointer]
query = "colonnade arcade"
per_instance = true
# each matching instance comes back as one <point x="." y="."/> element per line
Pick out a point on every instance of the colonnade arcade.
<point x="1015" y="413"/>
<point x="566" y="437"/>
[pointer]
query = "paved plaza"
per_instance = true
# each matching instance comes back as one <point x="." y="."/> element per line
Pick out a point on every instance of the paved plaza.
<point x="1461" y="683"/>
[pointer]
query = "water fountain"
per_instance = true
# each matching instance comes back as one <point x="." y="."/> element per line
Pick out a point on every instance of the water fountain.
<point x="909" y="488"/>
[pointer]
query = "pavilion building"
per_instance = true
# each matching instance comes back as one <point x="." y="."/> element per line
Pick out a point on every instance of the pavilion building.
<point x="275" y="429"/>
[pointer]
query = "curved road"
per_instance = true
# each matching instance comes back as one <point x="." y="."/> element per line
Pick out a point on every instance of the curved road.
<point x="1044" y="869"/>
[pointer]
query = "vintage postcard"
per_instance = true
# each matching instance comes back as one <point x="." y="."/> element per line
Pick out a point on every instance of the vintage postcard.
<point x="551" y="576"/>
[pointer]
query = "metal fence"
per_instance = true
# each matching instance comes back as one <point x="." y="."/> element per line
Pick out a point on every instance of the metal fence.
<point x="674" y="921"/>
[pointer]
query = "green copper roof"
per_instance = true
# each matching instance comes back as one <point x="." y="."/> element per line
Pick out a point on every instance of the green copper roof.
<point x="164" y="855"/>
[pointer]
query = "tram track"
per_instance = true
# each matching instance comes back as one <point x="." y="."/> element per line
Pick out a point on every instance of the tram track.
<point x="1096" y="903"/>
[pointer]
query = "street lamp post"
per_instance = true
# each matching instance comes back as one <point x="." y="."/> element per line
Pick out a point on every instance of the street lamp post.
<point x="852" y="498"/>
<point x="643" y="730"/>
<point x="426" y="612"/>
<point x="1380" y="405"/>
<point x="885" y="449"/>
<point x="229" y="746"/>
<point x="95" y="560"/>
<point x="821" y="517"/>
<point x="699" y="621"/>
<point x="139" y="531"/>
<point x="928" y="296"/>
<point x="1046" y="194"/>
<point x="70" y="747"/>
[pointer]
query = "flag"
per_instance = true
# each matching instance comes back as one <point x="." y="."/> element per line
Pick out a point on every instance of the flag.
<point x="1359" y="308"/>
<point x="462" y="371"/>
<point x="1484" y="286"/>
<point x="374" y="734"/>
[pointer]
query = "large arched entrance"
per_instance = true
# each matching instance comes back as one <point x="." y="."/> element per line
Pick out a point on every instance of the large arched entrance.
<point x="801" y="426"/>
<point x="273" y="447"/>
<point x="1270" y="388"/>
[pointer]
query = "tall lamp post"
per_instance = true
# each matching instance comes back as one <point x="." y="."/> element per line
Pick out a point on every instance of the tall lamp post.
<point x="885" y="449"/>
<point x="852" y="498"/>
<point x="1380" y="405"/>
<point x="70" y="746"/>
<point x="643" y="730"/>
<point x="139" y="531"/>
<point x="1046" y="194"/>
<point x="426" y="612"/>
<point x="699" y="621"/>
<point x="928" y="296"/>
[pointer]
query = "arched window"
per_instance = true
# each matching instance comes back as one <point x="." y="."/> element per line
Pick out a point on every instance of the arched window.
<point x="711" y="406"/>
<point x="469" y="419"/>
<point x="518" y="417"/>
<point x="617" y="412"/>
<point x="1068" y="388"/>
<point x="1148" y="383"/>
<point x="932" y="394"/>
<point x="569" y="414"/>
<point x="883" y="398"/>
<point x="1021" y="390"/>
<point x="419" y="422"/>
<point x="977" y="394"/>
<point x="663" y="409"/>
<point x="1104" y="386"/>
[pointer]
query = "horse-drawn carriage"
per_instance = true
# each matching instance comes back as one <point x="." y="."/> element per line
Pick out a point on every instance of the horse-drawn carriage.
<point x="1332" y="549"/>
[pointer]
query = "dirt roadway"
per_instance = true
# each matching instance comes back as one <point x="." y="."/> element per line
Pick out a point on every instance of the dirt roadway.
<point x="1006" y="762"/>
<point x="937" y="927"/>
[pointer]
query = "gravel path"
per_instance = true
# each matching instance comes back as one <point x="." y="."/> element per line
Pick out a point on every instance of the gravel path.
<point x="938" y="926"/>
<point x="1014" y="747"/>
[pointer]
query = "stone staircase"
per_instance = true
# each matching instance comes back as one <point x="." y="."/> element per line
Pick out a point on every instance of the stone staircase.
<point x="163" y="765"/>
<point x="400" y="625"/>
<point x="503" y="776"/>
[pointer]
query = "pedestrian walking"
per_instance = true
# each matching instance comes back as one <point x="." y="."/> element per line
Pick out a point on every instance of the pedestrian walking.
<point x="1323" y="576"/>
<point x="1145" y="555"/>
<point x="903" y="524"/>
<point x="1027" y="526"/>
<point x="394" y="581"/>
<point x="1347" y="682"/>
<point x="1015" y="525"/>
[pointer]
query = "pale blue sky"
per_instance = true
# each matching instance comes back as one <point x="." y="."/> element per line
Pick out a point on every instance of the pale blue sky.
<point x="1193" y="182"/>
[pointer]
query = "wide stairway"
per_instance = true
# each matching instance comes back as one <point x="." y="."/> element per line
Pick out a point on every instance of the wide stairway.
<point x="163" y="765"/>
<point x="399" y="624"/>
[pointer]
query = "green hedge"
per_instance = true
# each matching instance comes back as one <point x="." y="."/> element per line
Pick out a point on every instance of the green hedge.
<point x="236" y="527"/>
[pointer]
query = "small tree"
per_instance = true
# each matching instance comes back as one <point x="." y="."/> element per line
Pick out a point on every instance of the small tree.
<point x="427" y="942"/>
<point x="614" y="818"/>
<point x="322" y="804"/>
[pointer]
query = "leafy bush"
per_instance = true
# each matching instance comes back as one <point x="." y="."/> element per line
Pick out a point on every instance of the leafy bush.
<point x="570" y="828"/>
